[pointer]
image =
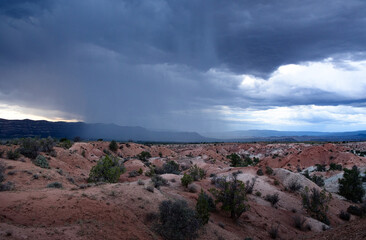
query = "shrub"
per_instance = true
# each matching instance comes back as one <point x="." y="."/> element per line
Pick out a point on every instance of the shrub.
<point x="2" y="171"/>
<point x="232" y="195"/>
<point x="186" y="180"/>
<point x="108" y="169"/>
<point x="350" y="186"/>
<point x="158" y="181"/>
<point x="177" y="220"/>
<point x="143" y="156"/>
<point x="47" y="144"/>
<point x="294" y="185"/>
<point x="193" y="188"/>
<point x="140" y="182"/>
<point x="344" y="216"/>
<point x="316" y="203"/>
<point x="273" y="231"/>
<point x="12" y="155"/>
<point x="169" y="167"/>
<point x="260" y="172"/>
<point x="150" y="188"/>
<point x="6" y="186"/>
<point x="197" y="173"/>
<point x="41" y="161"/>
<point x="318" y="180"/>
<point x="357" y="211"/>
<point x="140" y="171"/>
<point x="83" y="153"/>
<point x="276" y="182"/>
<point x="272" y="198"/>
<point x="203" y="207"/>
<point x="320" y="167"/>
<point x="258" y="194"/>
<point x="269" y="170"/>
<point x="133" y="173"/>
<point x="30" y="147"/>
<point x="249" y="185"/>
<point x="235" y="159"/>
<point x="65" y="143"/>
<point x="335" y="167"/>
<point x="113" y="146"/>
<point x="1" y="153"/>
<point x="299" y="221"/>
<point x="55" y="185"/>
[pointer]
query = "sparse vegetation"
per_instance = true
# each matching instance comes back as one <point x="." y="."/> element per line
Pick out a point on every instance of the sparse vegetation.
<point x="158" y="181"/>
<point x="197" y="173"/>
<point x="133" y="173"/>
<point x="203" y="207"/>
<point x="269" y="170"/>
<point x="273" y="231"/>
<point x="299" y="221"/>
<point x="55" y="185"/>
<point x="12" y="155"/>
<point x="344" y="216"/>
<point x="294" y="185"/>
<point x="350" y="186"/>
<point x="316" y="203"/>
<point x="357" y="211"/>
<point x="41" y="161"/>
<point x="144" y="156"/>
<point x="335" y="167"/>
<point x="260" y="172"/>
<point x="169" y="167"/>
<point x="272" y="198"/>
<point x="186" y="180"/>
<point x="232" y="196"/>
<point x="108" y="169"/>
<point x="65" y="143"/>
<point x="177" y="221"/>
<point x="113" y="146"/>
<point x="237" y="161"/>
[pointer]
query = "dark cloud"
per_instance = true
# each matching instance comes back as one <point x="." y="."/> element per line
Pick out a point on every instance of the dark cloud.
<point x="148" y="62"/>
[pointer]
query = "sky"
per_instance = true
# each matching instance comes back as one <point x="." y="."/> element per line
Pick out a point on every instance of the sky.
<point x="187" y="65"/>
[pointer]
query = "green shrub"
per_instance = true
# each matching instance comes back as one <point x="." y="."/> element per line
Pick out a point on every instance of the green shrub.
<point x="316" y="203"/>
<point x="320" y="167"/>
<point x="299" y="221"/>
<point x="357" y="211"/>
<point x="41" y="161"/>
<point x="30" y="147"/>
<point x="203" y="207"/>
<point x="318" y="180"/>
<point x="55" y="185"/>
<point x="232" y="195"/>
<point x="197" y="173"/>
<point x="140" y="171"/>
<point x="12" y="155"/>
<point x="108" y="169"/>
<point x="269" y="170"/>
<point x="350" y="186"/>
<point x="260" y="172"/>
<point x="133" y="173"/>
<point x="6" y="186"/>
<point x="2" y="172"/>
<point x="143" y="156"/>
<point x="235" y="159"/>
<point x="169" y="167"/>
<point x="113" y="146"/>
<point x="177" y="220"/>
<point x="83" y="153"/>
<point x="344" y="216"/>
<point x="294" y="185"/>
<point x="65" y="143"/>
<point x="272" y="198"/>
<point x="158" y="181"/>
<point x="335" y="167"/>
<point x="186" y="180"/>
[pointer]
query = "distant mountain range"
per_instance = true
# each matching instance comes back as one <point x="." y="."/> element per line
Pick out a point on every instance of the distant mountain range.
<point x="87" y="131"/>
<point x="93" y="131"/>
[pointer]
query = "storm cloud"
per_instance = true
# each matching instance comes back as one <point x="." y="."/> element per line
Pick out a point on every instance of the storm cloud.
<point x="176" y="64"/>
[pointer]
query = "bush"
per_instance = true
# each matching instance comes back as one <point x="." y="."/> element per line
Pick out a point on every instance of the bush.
<point x="140" y="182"/>
<point x="30" y="147"/>
<point x="299" y="221"/>
<point x="335" y="167"/>
<point x="143" y="156"/>
<point x="133" y="173"/>
<point x="177" y="220"/>
<point x="273" y="231"/>
<point x="55" y="185"/>
<point x="6" y="186"/>
<point x="186" y="180"/>
<point x="249" y="185"/>
<point x="344" y="216"/>
<point x="318" y="180"/>
<point x="316" y="203"/>
<point x="272" y="198"/>
<point x="350" y="186"/>
<point x="12" y="155"/>
<point x="2" y="172"/>
<point x="269" y="170"/>
<point x="236" y="160"/>
<point x="232" y="195"/>
<point x="197" y="173"/>
<point x="65" y="143"/>
<point x="158" y="181"/>
<point x="150" y="188"/>
<point x="113" y="146"/>
<point x="108" y="169"/>
<point x="169" y="167"/>
<point x="357" y="211"/>
<point x="294" y="185"/>
<point x="203" y="207"/>
<point x="260" y="172"/>
<point x="320" y="167"/>
<point x="41" y="161"/>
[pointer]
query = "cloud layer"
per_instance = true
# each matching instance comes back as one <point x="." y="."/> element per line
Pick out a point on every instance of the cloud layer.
<point x="176" y="64"/>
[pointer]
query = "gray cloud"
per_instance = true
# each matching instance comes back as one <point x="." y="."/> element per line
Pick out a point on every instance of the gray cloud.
<point x="148" y="62"/>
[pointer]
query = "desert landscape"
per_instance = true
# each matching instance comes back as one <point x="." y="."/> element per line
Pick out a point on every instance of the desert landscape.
<point x="57" y="201"/>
